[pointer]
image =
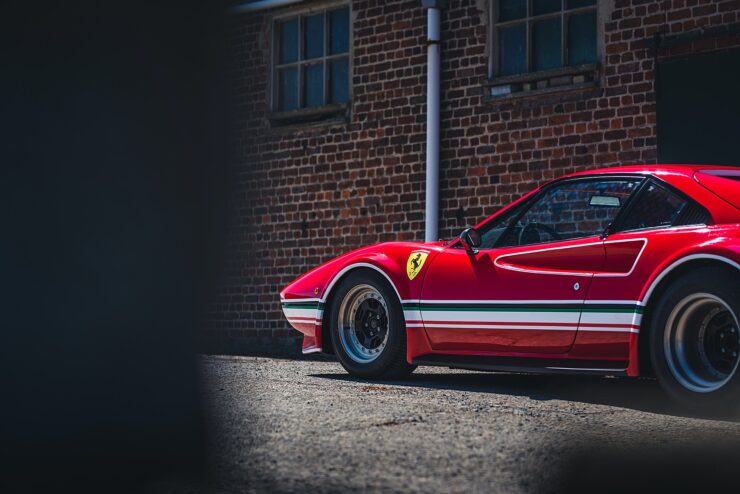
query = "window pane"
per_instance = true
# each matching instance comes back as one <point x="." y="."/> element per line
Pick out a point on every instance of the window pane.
<point x="512" y="46"/>
<point x="582" y="38"/>
<point x="574" y="4"/>
<point x="288" y="89"/>
<point x="313" y="78"/>
<point x="313" y="34"/>
<point x="571" y="210"/>
<point x="545" y="6"/>
<point x="288" y="41"/>
<point x="655" y="207"/>
<point x="340" y="80"/>
<point x="339" y="38"/>
<point x="511" y="9"/>
<point x="546" y="50"/>
<point x="492" y="231"/>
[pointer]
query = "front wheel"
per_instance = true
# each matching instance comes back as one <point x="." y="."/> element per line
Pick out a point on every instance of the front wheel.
<point x="367" y="328"/>
<point x="695" y="341"/>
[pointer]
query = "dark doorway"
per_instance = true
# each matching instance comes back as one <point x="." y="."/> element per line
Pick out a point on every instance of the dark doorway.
<point x="698" y="109"/>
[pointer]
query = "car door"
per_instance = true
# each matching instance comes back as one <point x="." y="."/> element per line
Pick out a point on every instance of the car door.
<point x="523" y="290"/>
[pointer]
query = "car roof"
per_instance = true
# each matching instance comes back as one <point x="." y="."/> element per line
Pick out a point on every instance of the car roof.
<point x="680" y="177"/>
<point x="673" y="174"/>
<point x="664" y="169"/>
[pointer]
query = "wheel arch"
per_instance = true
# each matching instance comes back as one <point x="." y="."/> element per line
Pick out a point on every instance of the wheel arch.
<point x="330" y="292"/>
<point x="659" y="285"/>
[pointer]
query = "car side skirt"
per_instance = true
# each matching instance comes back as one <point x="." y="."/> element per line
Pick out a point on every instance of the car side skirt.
<point x="533" y="365"/>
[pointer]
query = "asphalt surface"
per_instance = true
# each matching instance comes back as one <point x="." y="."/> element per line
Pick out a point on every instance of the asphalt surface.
<point x="305" y="426"/>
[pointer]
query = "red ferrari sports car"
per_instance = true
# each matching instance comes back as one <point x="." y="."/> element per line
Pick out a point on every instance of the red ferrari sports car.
<point x="622" y="271"/>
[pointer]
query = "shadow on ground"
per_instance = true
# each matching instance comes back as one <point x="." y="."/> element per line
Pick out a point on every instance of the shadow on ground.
<point x="641" y="394"/>
<point x="694" y="465"/>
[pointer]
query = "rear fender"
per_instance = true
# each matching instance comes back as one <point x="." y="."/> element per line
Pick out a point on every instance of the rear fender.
<point x="724" y="250"/>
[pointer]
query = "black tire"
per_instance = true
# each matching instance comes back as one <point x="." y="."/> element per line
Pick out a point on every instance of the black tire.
<point x="693" y="337"/>
<point x="390" y="361"/>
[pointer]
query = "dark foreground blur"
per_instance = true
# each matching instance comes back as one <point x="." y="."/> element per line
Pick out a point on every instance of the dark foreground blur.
<point x="700" y="466"/>
<point x="111" y="177"/>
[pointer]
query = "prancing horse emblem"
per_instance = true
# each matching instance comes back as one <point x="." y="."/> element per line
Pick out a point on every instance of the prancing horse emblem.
<point x="414" y="264"/>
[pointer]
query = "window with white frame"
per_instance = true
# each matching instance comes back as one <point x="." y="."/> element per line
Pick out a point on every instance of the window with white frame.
<point x="530" y="36"/>
<point x="311" y="60"/>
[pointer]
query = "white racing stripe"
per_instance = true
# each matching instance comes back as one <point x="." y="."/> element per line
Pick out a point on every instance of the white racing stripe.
<point x="523" y="302"/>
<point x="290" y="312"/>
<point x="502" y="326"/>
<point x="500" y="316"/>
<point x="606" y="329"/>
<point x="609" y="329"/>
<point x="299" y="301"/>
<point x="617" y="318"/>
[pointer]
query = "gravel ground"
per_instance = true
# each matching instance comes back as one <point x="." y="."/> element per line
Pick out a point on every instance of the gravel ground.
<point x="305" y="426"/>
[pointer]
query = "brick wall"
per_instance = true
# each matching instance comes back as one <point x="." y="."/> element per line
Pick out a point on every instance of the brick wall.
<point x="305" y="194"/>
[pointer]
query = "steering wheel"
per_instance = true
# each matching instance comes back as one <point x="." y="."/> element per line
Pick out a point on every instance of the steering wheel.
<point x="537" y="227"/>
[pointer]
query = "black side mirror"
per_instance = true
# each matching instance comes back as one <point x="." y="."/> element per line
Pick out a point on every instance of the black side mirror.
<point x="470" y="238"/>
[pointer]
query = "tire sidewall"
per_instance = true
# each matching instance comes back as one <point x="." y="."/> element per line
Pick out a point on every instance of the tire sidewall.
<point x="715" y="281"/>
<point x="395" y="347"/>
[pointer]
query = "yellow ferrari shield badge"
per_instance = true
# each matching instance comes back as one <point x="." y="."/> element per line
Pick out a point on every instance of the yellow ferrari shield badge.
<point x="414" y="264"/>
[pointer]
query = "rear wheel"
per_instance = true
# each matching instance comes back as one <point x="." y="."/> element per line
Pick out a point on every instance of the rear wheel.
<point x="367" y="328"/>
<point x="695" y="343"/>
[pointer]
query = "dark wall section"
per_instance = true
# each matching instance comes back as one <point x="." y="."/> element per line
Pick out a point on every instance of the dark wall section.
<point x="698" y="109"/>
<point x="111" y="179"/>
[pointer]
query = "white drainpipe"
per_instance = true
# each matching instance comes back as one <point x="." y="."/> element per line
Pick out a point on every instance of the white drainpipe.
<point x="434" y="28"/>
<point x="262" y="5"/>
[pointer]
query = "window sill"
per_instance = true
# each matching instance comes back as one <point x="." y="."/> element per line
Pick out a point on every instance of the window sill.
<point x="566" y="79"/>
<point x="310" y="116"/>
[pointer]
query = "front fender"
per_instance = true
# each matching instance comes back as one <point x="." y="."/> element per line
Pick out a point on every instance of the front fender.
<point x="304" y="299"/>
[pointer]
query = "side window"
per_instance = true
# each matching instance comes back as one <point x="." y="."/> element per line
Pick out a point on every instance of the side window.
<point x="492" y="231"/>
<point x="657" y="207"/>
<point x="573" y="209"/>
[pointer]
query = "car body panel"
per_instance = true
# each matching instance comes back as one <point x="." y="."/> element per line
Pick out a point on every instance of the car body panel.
<point x="304" y="300"/>
<point x="573" y="301"/>
<point x="486" y="300"/>
<point x="724" y="183"/>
